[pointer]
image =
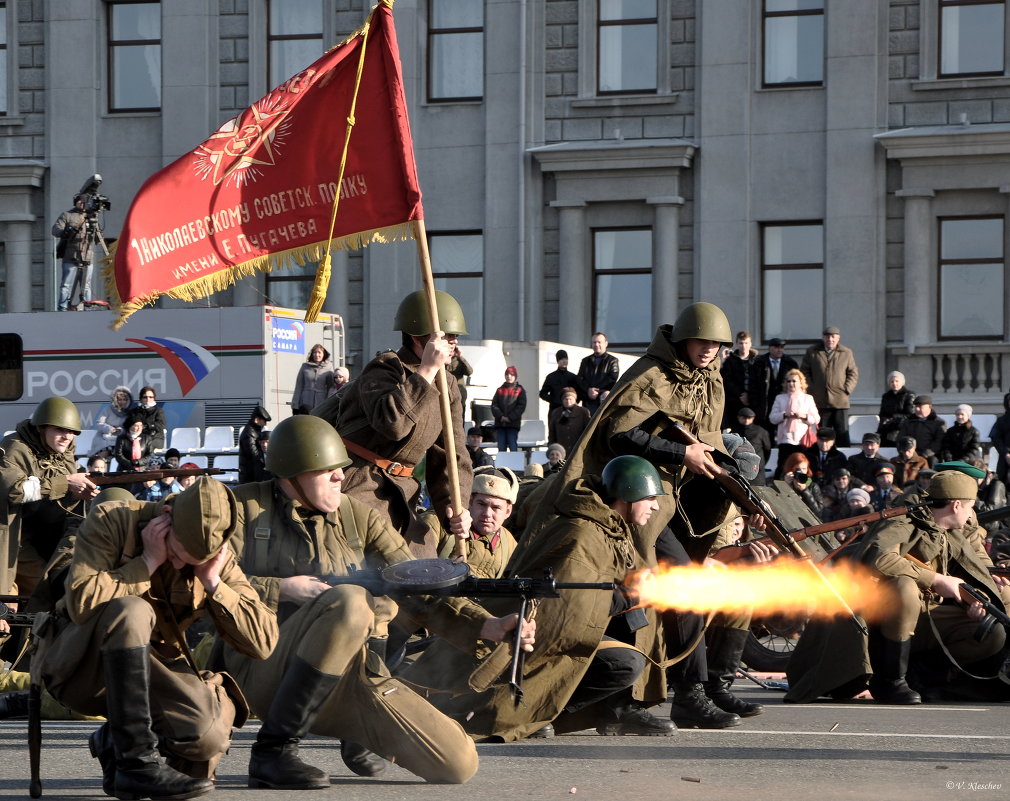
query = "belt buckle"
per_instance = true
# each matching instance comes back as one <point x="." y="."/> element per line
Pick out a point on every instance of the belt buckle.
<point x="393" y="469"/>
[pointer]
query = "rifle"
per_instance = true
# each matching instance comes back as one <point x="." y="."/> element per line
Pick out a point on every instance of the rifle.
<point x="971" y="593"/>
<point x="27" y="619"/>
<point x="992" y="515"/>
<point x="13" y="618"/>
<point x="445" y="578"/>
<point x="730" y="553"/>
<point x="742" y="493"/>
<point x="127" y="477"/>
<point x="995" y="570"/>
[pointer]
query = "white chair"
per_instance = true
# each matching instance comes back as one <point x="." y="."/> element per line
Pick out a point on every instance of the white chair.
<point x="82" y="462"/>
<point x="850" y="451"/>
<point x="860" y="424"/>
<point x="218" y="439"/>
<point x="992" y="459"/>
<point x="85" y="440"/>
<point x="984" y="424"/>
<point x="948" y="419"/>
<point x="538" y="456"/>
<point x="199" y="459"/>
<point x="888" y="453"/>
<point x="185" y="439"/>
<point x="532" y="434"/>
<point x="772" y="463"/>
<point x="513" y="460"/>
<point x="227" y="462"/>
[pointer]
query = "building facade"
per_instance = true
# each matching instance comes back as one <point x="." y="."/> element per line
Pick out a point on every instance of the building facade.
<point x="587" y="164"/>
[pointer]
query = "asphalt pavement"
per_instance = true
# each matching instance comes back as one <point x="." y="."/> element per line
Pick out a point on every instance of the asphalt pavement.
<point x="814" y="752"/>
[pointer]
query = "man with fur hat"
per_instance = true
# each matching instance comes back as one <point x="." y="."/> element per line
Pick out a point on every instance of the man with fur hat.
<point x="495" y="490"/>
<point x="141" y="573"/>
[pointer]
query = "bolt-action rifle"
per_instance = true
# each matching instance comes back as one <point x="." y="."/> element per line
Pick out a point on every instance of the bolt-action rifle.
<point x="128" y="477"/>
<point x="446" y="578"/>
<point x="742" y="494"/>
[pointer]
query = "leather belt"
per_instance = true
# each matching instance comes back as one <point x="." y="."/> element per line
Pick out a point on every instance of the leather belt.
<point x="389" y="467"/>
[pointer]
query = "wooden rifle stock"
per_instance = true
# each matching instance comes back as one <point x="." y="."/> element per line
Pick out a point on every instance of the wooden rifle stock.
<point x="995" y="570"/>
<point x="127" y="477"/>
<point x="970" y="593"/>
<point x="742" y="493"/>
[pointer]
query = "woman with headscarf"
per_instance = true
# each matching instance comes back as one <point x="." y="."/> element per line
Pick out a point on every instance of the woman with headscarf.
<point x="895" y="405"/>
<point x="795" y="413"/>
<point x="313" y="382"/>
<point x="111" y="419"/>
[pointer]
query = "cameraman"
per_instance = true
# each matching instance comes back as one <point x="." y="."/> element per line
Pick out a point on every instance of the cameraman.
<point x="76" y="249"/>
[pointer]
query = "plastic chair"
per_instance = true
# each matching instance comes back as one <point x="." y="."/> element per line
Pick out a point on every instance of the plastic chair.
<point x="532" y="434"/>
<point x="85" y="440"/>
<point x="226" y="462"/>
<point x="538" y="457"/>
<point x="860" y="424"/>
<point x="199" y="459"/>
<point x="219" y="439"/>
<point x="513" y="460"/>
<point x="185" y="439"/>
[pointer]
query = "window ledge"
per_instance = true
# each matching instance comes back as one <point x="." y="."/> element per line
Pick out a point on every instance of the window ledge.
<point x="450" y="103"/>
<point x="11" y="120"/>
<point x="933" y="84"/>
<point x="618" y="101"/>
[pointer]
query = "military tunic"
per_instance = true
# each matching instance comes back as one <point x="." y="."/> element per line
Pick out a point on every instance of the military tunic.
<point x="279" y="538"/>
<point x="393" y="412"/>
<point x="24" y="455"/>
<point x="192" y="719"/>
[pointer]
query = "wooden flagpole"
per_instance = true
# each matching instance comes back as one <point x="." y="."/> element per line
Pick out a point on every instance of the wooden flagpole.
<point x="460" y="550"/>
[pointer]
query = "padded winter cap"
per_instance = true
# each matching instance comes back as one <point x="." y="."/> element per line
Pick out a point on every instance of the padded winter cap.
<point x="569" y="391"/>
<point x="262" y="413"/>
<point x="832" y="329"/>
<point x="871" y="436"/>
<point x="826" y="433"/>
<point x="561" y="354"/>
<point x="904" y="443"/>
<point x="858" y="494"/>
<point x="203" y="517"/>
<point x="558" y="448"/>
<point x="949" y="485"/>
<point x="961" y="467"/>
<point x="498" y="482"/>
<point x="511" y="370"/>
<point x="923" y="399"/>
<point x="746" y="411"/>
<point x="777" y="342"/>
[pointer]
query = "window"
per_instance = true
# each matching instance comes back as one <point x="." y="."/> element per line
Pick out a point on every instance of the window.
<point x="294" y="38"/>
<point x="457" y="264"/>
<point x="971" y="278"/>
<point x="622" y="285"/>
<point x="4" y="108"/>
<point x="291" y="286"/>
<point x="455" y="50"/>
<point x="11" y="367"/>
<point x="793" y="42"/>
<point x="971" y="37"/>
<point x="134" y="56"/>
<point x="627" y="32"/>
<point x="792" y="280"/>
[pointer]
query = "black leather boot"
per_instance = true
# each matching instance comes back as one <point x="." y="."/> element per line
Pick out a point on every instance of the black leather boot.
<point x="360" y="760"/>
<point x="14" y="704"/>
<point x="274" y="762"/>
<point x="692" y="709"/>
<point x="725" y="647"/>
<point x="140" y="770"/>
<point x="889" y="661"/>
<point x="100" y="744"/>
<point x="630" y="717"/>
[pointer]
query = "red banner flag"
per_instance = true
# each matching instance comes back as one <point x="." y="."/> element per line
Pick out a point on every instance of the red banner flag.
<point x="261" y="191"/>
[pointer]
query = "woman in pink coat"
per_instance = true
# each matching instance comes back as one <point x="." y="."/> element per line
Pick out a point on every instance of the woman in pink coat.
<point x="794" y="412"/>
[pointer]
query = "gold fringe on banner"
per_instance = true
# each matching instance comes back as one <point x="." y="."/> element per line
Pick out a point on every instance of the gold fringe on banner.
<point x="222" y="279"/>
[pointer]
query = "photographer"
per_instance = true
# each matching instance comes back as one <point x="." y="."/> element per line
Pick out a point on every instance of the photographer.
<point x="75" y="249"/>
<point x="796" y="473"/>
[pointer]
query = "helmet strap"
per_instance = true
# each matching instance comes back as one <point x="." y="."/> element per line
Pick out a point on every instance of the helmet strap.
<point x="301" y="494"/>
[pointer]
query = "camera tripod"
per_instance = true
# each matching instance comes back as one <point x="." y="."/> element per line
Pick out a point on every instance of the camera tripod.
<point x="92" y="239"/>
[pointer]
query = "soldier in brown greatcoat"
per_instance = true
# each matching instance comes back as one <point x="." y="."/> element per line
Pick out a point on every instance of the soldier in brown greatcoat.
<point x="390" y="421"/>
<point x="141" y="574"/>
<point x="327" y="674"/>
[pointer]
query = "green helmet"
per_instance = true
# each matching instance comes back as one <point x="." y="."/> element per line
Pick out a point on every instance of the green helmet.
<point x="702" y="321"/>
<point x="631" y="479"/>
<point x="412" y="316"/>
<point x="57" y="412"/>
<point x="112" y="494"/>
<point x="303" y="443"/>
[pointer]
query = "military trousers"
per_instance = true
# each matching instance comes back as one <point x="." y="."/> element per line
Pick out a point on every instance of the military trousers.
<point x="191" y="718"/>
<point x="914" y="614"/>
<point x="368" y="706"/>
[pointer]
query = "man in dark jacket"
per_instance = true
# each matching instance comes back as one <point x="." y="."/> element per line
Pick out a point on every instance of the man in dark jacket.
<point x="999" y="435"/>
<point x="597" y="373"/>
<point x="251" y="459"/>
<point x="736" y="370"/>
<point x="766" y="377"/>
<point x="864" y="465"/>
<point x="556" y="382"/>
<point x="925" y="427"/>
<point x="756" y="436"/>
<point x="824" y="457"/>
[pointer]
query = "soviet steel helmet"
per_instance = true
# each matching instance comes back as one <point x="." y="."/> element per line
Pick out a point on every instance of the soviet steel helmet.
<point x="702" y="321"/>
<point x="631" y="478"/>
<point x="57" y="412"/>
<point x="303" y="443"/>
<point x="112" y="494"/>
<point x="412" y="316"/>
